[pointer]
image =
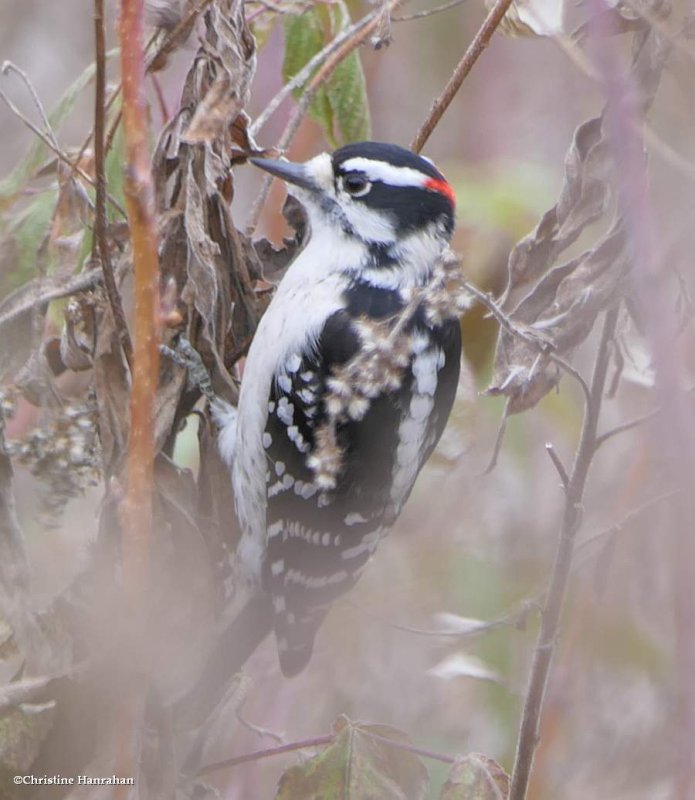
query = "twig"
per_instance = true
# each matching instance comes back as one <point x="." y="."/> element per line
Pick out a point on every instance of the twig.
<point x="61" y="155"/>
<point x="411" y="748"/>
<point x="544" y="347"/>
<point x="37" y="292"/>
<point x="428" y="12"/>
<point x="475" y="50"/>
<point x="559" y="466"/>
<point x="162" y="52"/>
<point x="298" y="80"/>
<point x="7" y="67"/>
<point x="626" y="426"/>
<point x="506" y="621"/>
<point x="574" y="493"/>
<point x="534" y="601"/>
<point x="319" y="741"/>
<point x="499" y="439"/>
<point x="100" y="243"/>
<point x="358" y="34"/>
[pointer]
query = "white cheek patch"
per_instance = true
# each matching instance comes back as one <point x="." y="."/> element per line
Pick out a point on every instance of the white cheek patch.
<point x="320" y="168"/>
<point x="386" y="173"/>
<point x="372" y="225"/>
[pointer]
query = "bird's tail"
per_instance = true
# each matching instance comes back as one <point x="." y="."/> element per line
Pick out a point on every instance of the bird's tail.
<point x="235" y="646"/>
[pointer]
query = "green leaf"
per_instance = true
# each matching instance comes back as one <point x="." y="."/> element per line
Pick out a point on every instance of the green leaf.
<point x="357" y="767"/>
<point x="347" y="88"/>
<point x="115" y="177"/>
<point x="476" y="777"/>
<point x="304" y="37"/>
<point x="340" y="106"/>
<point x="38" y="151"/>
<point x="27" y="231"/>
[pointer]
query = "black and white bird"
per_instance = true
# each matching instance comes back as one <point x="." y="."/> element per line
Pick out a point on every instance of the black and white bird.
<point x="380" y="219"/>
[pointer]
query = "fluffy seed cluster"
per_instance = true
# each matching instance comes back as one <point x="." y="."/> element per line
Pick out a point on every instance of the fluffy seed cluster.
<point x="385" y="352"/>
<point x="63" y="454"/>
<point x="445" y="297"/>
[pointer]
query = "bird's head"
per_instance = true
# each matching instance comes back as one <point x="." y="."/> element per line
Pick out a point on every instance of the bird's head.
<point x="379" y="193"/>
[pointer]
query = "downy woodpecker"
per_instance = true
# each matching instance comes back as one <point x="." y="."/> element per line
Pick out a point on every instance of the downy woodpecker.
<point x="322" y="461"/>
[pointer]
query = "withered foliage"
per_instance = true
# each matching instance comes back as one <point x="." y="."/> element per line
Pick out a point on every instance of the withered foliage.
<point x="210" y="274"/>
<point x="558" y="302"/>
<point x="73" y="660"/>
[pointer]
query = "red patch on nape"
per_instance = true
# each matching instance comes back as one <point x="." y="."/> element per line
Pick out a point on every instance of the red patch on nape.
<point x="441" y="186"/>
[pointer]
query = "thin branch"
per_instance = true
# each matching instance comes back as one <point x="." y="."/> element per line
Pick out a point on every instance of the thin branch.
<point x="619" y="527"/>
<point x="100" y="242"/>
<point x="319" y="741"/>
<point x="547" y="637"/>
<point x="357" y="34"/>
<point x="557" y="463"/>
<point x="165" y="48"/>
<point x="304" y="74"/>
<point x="428" y="12"/>
<point x="61" y="155"/>
<point x="499" y="439"/>
<point x="626" y="426"/>
<point x="544" y="346"/>
<point x="519" y="614"/>
<point x="475" y="50"/>
<point x="513" y="618"/>
<point x="8" y="67"/>
<point x="410" y="748"/>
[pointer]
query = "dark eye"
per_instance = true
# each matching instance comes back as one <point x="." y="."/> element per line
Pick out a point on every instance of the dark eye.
<point x="356" y="185"/>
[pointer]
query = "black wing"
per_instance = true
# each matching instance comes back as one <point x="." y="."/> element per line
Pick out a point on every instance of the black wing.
<point x="318" y="542"/>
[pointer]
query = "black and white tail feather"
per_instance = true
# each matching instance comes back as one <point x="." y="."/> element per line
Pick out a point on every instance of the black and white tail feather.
<point x="346" y="390"/>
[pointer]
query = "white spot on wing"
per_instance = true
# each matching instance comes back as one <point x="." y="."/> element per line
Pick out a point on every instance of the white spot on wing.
<point x="294" y="362"/>
<point x="354" y="519"/>
<point x="277" y="567"/>
<point x="285" y="411"/>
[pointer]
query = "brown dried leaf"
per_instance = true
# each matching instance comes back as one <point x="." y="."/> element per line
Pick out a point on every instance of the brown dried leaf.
<point x="213" y="114"/>
<point x="556" y="305"/>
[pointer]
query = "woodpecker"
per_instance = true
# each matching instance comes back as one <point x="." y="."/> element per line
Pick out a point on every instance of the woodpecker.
<point x="317" y="488"/>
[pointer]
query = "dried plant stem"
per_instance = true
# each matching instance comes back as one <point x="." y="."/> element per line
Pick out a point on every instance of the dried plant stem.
<point x="320" y="741"/>
<point x="571" y="521"/>
<point x="358" y="34"/>
<point x="141" y="215"/>
<point x="475" y="50"/>
<point x="100" y="242"/>
<point x="136" y="514"/>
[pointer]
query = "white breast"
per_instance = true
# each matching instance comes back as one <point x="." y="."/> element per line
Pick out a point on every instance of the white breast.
<point x="309" y="293"/>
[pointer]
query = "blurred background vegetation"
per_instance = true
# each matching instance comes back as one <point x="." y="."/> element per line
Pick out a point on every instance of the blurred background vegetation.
<point x="474" y="544"/>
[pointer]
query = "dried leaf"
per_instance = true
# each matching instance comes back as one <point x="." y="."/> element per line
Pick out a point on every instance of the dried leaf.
<point x="556" y="305"/>
<point x="461" y="665"/>
<point x="533" y="18"/>
<point x="476" y="777"/>
<point x="357" y="766"/>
